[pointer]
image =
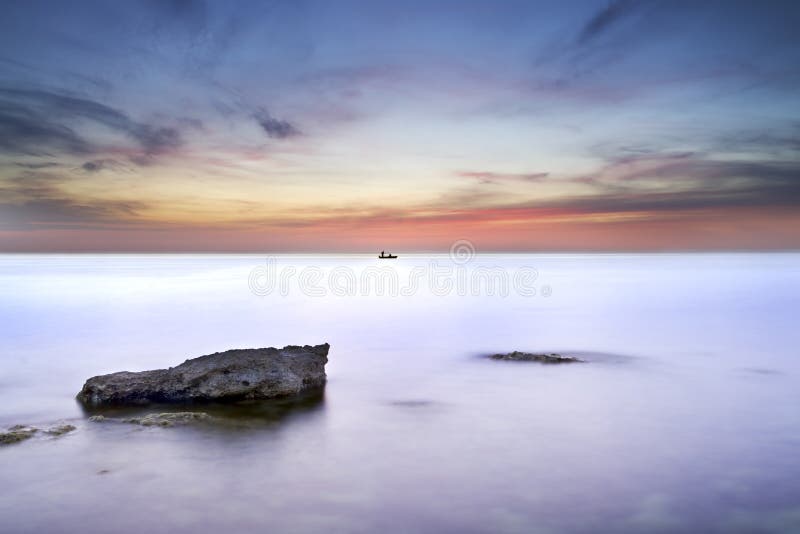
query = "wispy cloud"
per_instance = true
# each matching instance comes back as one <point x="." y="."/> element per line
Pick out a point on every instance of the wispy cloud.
<point x="98" y="165"/>
<point x="37" y="165"/>
<point x="37" y="122"/>
<point x="487" y="177"/>
<point x="606" y="18"/>
<point x="37" y="200"/>
<point x="23" y="131"/>
<point x="275" y="128"/>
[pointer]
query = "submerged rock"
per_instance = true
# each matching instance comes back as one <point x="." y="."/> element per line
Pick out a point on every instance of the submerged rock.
<point x="169" y="418"/>
<point x="157" y="419"/>
<point x="518" y="356"/>
<point x="17" y="433"/>
<point x="60" y="430"/>
<point x="233" y="375"/>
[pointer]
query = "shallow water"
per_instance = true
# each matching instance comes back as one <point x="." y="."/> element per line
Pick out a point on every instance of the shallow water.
<point x="685" y="418"/>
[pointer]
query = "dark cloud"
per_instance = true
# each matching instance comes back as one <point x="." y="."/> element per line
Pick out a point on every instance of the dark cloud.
<point x="34" y="121"/>
<point x="683" y="181"/>
<point x="98" y="165"/>
<point x="92" y="166"/>
<point x="54" y="213"/>
<point x="775" y="195"/>
<point x="24" y="131"/>
<point x="36" y="200"/>
<point x="606" y="18"/>
<point x="275" y="128"/>
<point x="693" y="169"/>
<point x="34" y="166"/>
<point x="653" y="184"/>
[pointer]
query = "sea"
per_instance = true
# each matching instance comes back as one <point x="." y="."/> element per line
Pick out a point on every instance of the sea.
<point x="683" y="417"/>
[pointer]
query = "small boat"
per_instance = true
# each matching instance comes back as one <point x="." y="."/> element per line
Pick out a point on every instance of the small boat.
<point x="385" y="256"/>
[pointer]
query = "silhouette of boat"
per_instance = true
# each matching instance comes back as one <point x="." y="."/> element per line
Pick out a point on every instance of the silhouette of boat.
<point x="385" y="256"/>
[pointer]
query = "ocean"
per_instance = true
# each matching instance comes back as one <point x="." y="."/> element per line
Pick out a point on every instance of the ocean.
<point x="684" y="417"/>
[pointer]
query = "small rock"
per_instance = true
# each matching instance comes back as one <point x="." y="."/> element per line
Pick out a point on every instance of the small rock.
<point x="60" y="430"/>
<point x="169" y="419"/>
<point x="157" y="419"/>
<point x="518" y="356"/>
<point x="16" y="434"/>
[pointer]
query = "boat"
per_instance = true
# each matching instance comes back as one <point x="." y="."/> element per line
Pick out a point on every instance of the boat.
<point x="385" y="256"/>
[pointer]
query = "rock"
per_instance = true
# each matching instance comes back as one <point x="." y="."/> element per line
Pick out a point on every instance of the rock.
<point x="169" y="419"/>
<point x="243" y="374"/>
<point x="157" y="419"/>
<point x="19" y="433"/>
<point x="16" y="434"/>
<point x="60" y="430"/>
<point x="518" y="356"/>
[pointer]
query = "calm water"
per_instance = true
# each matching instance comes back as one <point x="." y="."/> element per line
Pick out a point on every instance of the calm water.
<point x="685" y="419"/>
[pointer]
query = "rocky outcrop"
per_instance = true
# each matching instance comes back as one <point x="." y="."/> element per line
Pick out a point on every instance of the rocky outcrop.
<point x="518" y="356"/>
<point x="17" y="433"/>
<point x="158" y="419"/>
<point x="245" y="374"/>
<point x="60" y="430"/>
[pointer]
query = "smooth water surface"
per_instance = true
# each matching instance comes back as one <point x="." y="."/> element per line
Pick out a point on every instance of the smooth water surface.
<point x="686" y="417"/>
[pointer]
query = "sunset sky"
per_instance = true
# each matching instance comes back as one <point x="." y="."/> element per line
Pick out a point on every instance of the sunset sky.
<point x="349" y="126"/>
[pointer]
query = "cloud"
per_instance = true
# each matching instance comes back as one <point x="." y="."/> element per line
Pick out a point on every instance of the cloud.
<point x="53" y="213"/>
<point x="692" y="170"/>
<point x="34" y="166"/>
<point x="275" y="128"/>
<point x="98" y="165"/>
<point x="607" y="18"/>
<point x="684" y="181"/>
<point x="35" y="122"/>
<point x="486" y="177"/>
<point x="36" y="200"/>
<point x="93" y="166"/>
<point x="25" y="132"/>
<point x="775" y="140"/>
<point x="649" y="184"/>
<point x="156" y="140"/>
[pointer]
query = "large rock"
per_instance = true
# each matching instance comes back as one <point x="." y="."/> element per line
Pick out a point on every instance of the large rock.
<point x="224" y="376"/>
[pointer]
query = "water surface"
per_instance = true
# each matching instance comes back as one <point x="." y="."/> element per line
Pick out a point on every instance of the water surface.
<point x="685" y="418"/>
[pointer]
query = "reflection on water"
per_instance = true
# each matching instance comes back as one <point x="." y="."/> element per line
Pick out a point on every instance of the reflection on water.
<point x="684" y="419"/>
<point x="242" y="414"/>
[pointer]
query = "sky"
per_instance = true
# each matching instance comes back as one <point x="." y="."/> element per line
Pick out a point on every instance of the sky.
<point x="188" y="125"/>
